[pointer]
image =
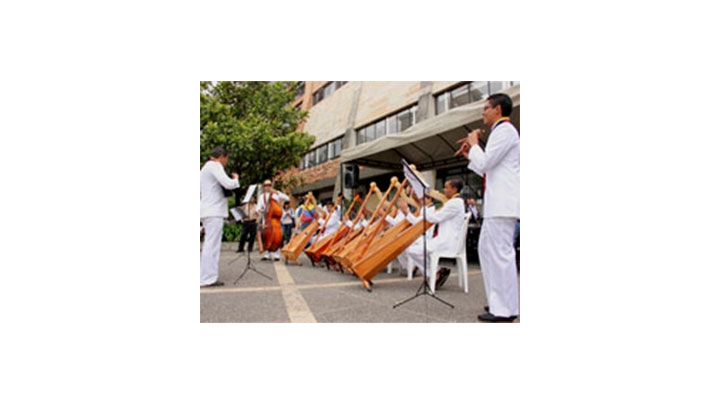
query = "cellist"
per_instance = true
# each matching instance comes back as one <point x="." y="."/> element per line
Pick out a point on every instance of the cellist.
<point x="278" y="196"/>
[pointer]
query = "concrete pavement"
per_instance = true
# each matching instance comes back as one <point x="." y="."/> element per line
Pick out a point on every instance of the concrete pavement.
<point x="312" y="294"/>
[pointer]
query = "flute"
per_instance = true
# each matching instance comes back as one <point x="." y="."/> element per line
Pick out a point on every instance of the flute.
<point x="464" y="146"/>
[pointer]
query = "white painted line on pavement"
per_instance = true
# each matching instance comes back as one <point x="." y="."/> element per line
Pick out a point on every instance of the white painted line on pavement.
<point x="316" y="286"/>
<point x="297" y="308"/>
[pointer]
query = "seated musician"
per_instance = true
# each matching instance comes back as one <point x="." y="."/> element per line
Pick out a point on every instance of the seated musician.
<point x="448" y="220"/>
<point x="306" y="213"/>
<point x="333" y="223"/>
<point x="362" y="223"/>
<point x="430" y="209"/>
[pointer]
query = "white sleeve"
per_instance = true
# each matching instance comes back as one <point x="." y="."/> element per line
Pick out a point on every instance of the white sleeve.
<point x="497" y="147"/>
<point x="415" y="219"/>
<point x="449" y="210"/>
<point x="281" y="196"/>
<point x="223" y="178"/>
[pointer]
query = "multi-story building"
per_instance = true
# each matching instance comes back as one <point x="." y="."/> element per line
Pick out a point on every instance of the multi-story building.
<point x="377" y="124"/>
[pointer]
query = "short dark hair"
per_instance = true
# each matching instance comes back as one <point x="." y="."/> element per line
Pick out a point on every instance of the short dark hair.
<point x="502" y="100"/>
<point x="456" y="183"/>
<point x="218" y="151"/>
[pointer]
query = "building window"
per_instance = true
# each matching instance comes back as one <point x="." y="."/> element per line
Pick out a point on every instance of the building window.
<point x="379" y="129"/>
<point x="334" y="148"/>
<point x="361" y="137"/>
<point x="300" y="89"/>
<point x="468" y="93"/>
<point x="312" y="162"/>
<point x="405" y="120"/>
<point x="460" y="96"/>
<point x="322" y="154"/>
<point x="391" y="124"/>
<point x="441" y="103"/>
<point x="326" y="90"/>
<point x="370" y="133"/>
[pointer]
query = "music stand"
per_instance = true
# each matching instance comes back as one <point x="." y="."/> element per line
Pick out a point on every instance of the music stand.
<point x="239" y="215"/>
<point x="419" y="185"/>
<point x="248" y="266"/>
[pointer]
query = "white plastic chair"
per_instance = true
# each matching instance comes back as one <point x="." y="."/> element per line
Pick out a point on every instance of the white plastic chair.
<point x="458" y="253"/>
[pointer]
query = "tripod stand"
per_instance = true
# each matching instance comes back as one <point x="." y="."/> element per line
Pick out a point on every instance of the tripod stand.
<point x="424" y="288"/>
<point x="248" y="266"/>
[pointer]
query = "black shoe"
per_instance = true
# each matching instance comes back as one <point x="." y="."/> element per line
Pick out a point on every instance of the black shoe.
<point x="496" y="319"/>
<point x="443" y="275"/>
<point x="215" y="284"/>
<point x="240" y="251"/>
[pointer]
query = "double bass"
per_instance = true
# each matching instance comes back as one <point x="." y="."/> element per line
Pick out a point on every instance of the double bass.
<point x="272" y="228"/>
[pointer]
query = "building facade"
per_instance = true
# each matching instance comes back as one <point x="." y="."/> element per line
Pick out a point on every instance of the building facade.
<point x="377" y="124"/>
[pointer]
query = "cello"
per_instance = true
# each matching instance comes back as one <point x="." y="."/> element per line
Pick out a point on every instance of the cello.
<point x="272" y="229"/>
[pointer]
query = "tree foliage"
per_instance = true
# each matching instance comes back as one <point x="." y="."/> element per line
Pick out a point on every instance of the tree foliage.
<point x="256" y="124"/>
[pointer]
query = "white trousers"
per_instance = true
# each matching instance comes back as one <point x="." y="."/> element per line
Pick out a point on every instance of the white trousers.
<point x="497" y="261"/>
<point x="415" y="253"/>
<point x="210" y="255"/>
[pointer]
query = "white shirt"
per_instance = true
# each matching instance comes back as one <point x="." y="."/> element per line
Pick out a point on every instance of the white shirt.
<point x="361" y="224"/>
<point x="333" y="223"/>
<point x="450" y="220"/>
<point x="212" y="180"/>
<point x="278" y="196"/>
<point x="399" y="216"/>
<point x="501" y="162"/>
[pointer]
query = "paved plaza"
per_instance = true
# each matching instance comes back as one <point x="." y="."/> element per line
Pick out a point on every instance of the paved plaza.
<point x="302" y="293"/>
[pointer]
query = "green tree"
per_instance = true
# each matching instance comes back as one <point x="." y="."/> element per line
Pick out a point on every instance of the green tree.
<point x="256" y="124"/>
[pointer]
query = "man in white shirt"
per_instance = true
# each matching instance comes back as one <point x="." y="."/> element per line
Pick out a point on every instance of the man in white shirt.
<point x="500" y="163"/>
<point x="213" y="210"/>
<point x="333" y="223"/>
<point x="279" y="197"/>
<point x="448" y="220"/>
<point x="399" y="217"/>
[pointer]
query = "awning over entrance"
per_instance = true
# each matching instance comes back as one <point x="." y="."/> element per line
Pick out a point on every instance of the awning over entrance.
<point x="429" y="144"/>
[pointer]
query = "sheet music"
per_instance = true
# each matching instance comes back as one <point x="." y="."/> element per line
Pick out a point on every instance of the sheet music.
<point x="237" y="214"/>
<point x="417" y="184"/>
<point x="249" y="193"/>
